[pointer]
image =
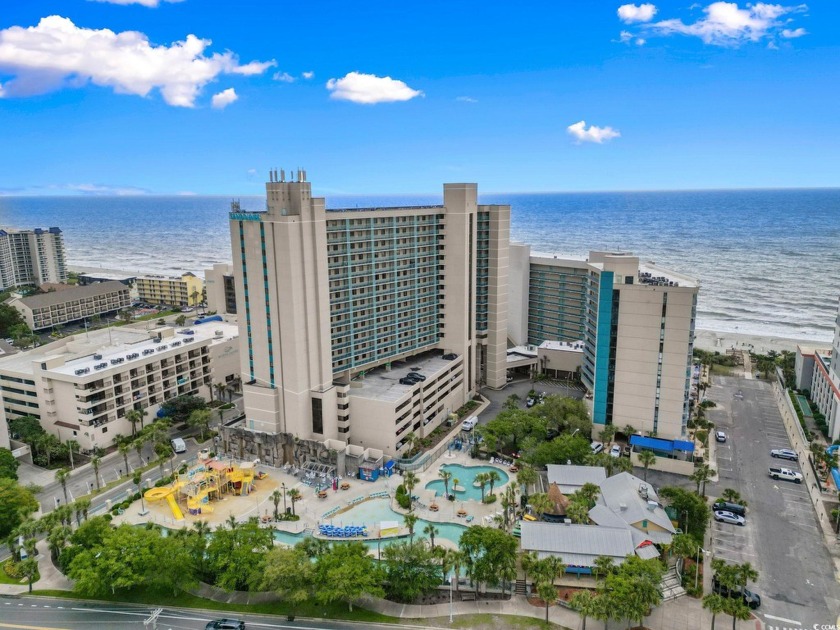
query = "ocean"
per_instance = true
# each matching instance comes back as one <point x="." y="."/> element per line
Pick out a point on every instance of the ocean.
<point x="768" y="260"/>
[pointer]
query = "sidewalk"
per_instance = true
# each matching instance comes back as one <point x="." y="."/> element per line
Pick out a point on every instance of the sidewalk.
<point x="51" y="578"/>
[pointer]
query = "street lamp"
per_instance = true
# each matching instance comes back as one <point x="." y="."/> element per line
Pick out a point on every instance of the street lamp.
<point x="283" y="488"/>
<point x="451" y="579"/>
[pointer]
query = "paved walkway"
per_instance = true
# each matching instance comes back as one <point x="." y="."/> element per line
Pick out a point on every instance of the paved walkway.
<point x="50" y="577"/>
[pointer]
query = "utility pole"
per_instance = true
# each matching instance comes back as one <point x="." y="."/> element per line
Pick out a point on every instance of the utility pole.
<point x="151" y="622"/>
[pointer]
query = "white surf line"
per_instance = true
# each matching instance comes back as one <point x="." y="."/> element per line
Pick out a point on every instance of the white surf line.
<point x="782" y="619"/>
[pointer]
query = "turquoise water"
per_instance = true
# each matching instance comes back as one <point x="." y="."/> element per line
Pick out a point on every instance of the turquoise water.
<point x="371" y="514"/>
<point x="466" y="477"/>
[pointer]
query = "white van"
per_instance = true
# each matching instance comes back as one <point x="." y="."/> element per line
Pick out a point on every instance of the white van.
<point x="178" y="445"/>
<point x="469" y="423"/>
<point x="596" y="447"/>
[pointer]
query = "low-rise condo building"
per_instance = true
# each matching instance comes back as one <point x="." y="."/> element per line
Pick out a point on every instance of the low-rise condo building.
<point x="636" y="321"/>
<point x="31" y="257"/>
<point x="82" y="386"/>
<point x="57" y="308"/>
<point x="184" y="290"/>
<point x="337" y="306"/>
<point x="220" y="286"/>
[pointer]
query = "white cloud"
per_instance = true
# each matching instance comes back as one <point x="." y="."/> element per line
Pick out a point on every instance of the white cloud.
<point x="146" y="3"/>
<point x="625" y="36"/>
<point x="595" y="134"/>
<point x="793" y="34"/>
<point x="284" y="77"/>
<point x="99" y="189"/>
<point x="56" y="53"/>
<point x="308" y="75"/>
<point x="466" y="99"/>
<point x="630" y="13"/>
<point x="641" y="41"/>
<point x="370" y="89"/>
<point x="224" y="98"/>
<point x="725" y="24"/>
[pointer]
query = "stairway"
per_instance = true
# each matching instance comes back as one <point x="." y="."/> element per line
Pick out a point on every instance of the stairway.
<point x="520" y="588"/>
<point x="670" y="587"/>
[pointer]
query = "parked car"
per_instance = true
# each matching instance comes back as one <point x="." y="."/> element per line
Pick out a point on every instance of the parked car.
<point x="615" y="451"/>
<point x="509" y="379"/>
<point x="784" y="453"/>
<point x="720" y="436"/>
<point x="408" y="381"/>
<point x="785" y="474"/>
<point x="225" y="624"/>
<point x="626" y="451"/>
<point x="752" y="600"/>
<point x="530" y="402"/>
<point x="469" y="423"/>
<point x="728" y="517"/>
<point x="450" y="356"/>
<point x="596" y="447"/>
<point x="725" y="506"/>
<point x="178" y="445"/>
<point x="416" y="376"/>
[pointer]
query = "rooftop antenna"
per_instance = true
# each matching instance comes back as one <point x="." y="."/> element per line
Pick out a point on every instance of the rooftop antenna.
<point x="282" y="175"/>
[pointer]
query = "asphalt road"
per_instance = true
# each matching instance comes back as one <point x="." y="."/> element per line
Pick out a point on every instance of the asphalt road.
<point x="782" y="538"/>
<point x="40" y="613"/>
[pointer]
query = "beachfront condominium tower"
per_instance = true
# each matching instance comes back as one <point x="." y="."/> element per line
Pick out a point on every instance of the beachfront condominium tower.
<point x="337" y="306"/>
<point x="31" y="257"/>
<point x="636" y="319"/>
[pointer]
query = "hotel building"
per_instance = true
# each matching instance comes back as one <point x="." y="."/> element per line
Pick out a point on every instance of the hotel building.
<point x="185" y="290"/>
<point x="31" y="257"/>
<point x="637" y="324"/>
<point x="819" y="371"/>
<point x="220" y="286"/>
<point x="335" y="306"/>
<point x="57" y="308"/>
<point x="81" y="387"/>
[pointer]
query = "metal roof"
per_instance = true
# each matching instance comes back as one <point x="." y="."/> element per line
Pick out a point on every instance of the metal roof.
<point x="576" y="544"/>
<point x="571" y="475"/>
<point x="622" y="494"/>
<point x="76" y="293"/>
<point x="661" y="445"/>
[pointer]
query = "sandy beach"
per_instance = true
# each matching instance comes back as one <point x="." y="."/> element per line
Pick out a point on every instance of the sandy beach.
<point x="720" y="341"/>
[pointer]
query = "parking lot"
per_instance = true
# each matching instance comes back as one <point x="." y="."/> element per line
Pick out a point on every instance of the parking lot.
<point x="781" y="539"/>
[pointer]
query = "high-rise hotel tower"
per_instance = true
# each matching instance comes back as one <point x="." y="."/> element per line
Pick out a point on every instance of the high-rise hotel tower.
<point x="337" y="306"/>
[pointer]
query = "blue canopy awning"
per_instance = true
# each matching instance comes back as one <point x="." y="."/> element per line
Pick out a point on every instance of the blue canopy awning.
<point x="663" y="446"/>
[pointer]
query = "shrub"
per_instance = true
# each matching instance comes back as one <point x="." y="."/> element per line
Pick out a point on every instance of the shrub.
<point x="490" y="498"/>
<point x="108" y="517"/>
<point x="11" y="569"/>
<point x="403" y="501"/>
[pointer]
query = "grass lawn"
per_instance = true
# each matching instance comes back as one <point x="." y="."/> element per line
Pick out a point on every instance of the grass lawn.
<point x="5" y="579"/>
<point x="185" y="600"/>
<point x="721" y="370"/>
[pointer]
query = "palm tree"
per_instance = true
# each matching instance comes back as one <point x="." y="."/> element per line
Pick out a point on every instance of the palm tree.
<point x="622" y="464"/>
<point x="602" y="566"/>
<point x="492" y="477"/>
<point x="61" y="476"/>
<point x="683" y="546"/>
<point x="715" y="604"/>
<point x="81" y="506"/>
<point x="578" y="513"/>
<point x="124" y="448"/>
<point x="411" y="439"/>
<point x="482" y="480"/>
<point x="586" y="605"/>
<point x="452" y="560"/>
<point x="647" y="459"/>
<point x="607" y="434"/>
<point x="294" y="495"/>
<point x="545" y="572"/>
<point x="72" y="447"/>
<point x="731" y="495"/>
<point x="738" y="610"/>
<point x="541" y="504"/>
<point x="410" y="521"/>
<point x="95" y="462"/>
<point x="527" y="560"/>
<point x="446" y="476"/>
<point x="220" y="390"/>
<point x="526" y="476"/>
<point x="133" y="416"/>
<point x="138" y="446"/>
<point x="57" y="540"/>
<point x="588" y="493"/>
<point x="746" y="573"/>
<point x="431" y="531"/>
<point x="701" y="475"/>
<point x="275" y="497"/>
<point x="410" y="482"/>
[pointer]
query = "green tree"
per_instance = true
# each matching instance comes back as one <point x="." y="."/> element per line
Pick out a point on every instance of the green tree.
<point x="564" y="448"/>
<point x="715" y="604"/>
<point x="180" y="407"/>
<point x="200" y="418"/>
<point x="489" y="555"/>
<point x="541" y="504"/>
<point x="526" y="477"/>
<point x="446" y="476"/>
<point x="431" y="531"/>
<point x="633" y="587"/>
<point x="235" y="553"/>
<point x="493" y="478"/>
<point x="276" y="497"/>
<point x="482" y="481"/>
<point x="26" y="428"/>
<point x="647" y="459"/>
<point x="578" y="513"/>
<point x="163" y="450"/>
<point x="95" y="462"/>
<point x="181" y="320"/>
<point x="607" y="434"/>
<point x="289" y="573"/>
<point x="411" y="570"/>
<point x="29" y="569"/>
<point x="737" y="609"/>
<point x="134" y="416"/>
<point x="507" y="430"/>
<point x="294" y="495"/>
<point x="11" y="321"/>
<point x="692" y="510"/>
<point x="410" y="481"/>
<point x="566" y="415"/>
<point x="587" y="494"/>
<point x="8" y="464"/>
<point x="585" y="604"/>
<point x="545" y="571"/>
<point x="345" y="573"/>
<point x="683" y="546"/>
<point x="16" y="503"/>
<point x="410" y="521"/>
<point x="81" y="507"/>
<point x="512" y="402"/>
<point x="701" y="475"/>
<point x="61" y="476"/>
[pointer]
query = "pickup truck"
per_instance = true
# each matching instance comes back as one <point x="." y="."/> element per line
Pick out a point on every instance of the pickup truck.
<point x="786" y="474"/>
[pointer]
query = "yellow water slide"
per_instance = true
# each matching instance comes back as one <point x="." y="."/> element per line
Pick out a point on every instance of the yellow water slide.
<point x="159" y="494"/>
<point x="196" y="502"/>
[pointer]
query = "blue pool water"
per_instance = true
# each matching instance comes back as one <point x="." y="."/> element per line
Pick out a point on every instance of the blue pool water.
<point x="466" y="477"/>
<point x="371" y="514"/>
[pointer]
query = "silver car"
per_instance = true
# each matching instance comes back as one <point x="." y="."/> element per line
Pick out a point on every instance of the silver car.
<point x="728" y="517"/>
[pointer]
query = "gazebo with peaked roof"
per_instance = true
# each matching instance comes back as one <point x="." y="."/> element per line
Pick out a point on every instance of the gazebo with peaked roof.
<point x="560" y="502"/>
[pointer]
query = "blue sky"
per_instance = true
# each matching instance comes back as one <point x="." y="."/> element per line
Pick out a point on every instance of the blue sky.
<point x="382" y="97"/>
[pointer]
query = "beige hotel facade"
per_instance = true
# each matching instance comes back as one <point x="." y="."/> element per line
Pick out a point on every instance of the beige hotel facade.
<point x="335" y="306"/>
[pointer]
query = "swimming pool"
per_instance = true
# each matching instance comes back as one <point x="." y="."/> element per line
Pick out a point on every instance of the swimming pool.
<point x="466" y="477"/>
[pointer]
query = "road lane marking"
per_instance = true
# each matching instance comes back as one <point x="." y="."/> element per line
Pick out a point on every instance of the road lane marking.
<point x="782" y="619"/>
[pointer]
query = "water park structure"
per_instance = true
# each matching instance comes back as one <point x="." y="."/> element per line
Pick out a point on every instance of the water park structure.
<point x="203" y="483"/>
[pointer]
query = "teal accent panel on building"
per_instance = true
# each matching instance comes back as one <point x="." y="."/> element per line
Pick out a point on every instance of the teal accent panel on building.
<point x="602" y="348"/>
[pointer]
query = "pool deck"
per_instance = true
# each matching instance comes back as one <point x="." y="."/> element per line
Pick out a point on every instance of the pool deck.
<point x="337" y="503"/>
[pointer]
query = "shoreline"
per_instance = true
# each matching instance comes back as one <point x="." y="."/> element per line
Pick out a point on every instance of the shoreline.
<point x="761" y="344"/>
